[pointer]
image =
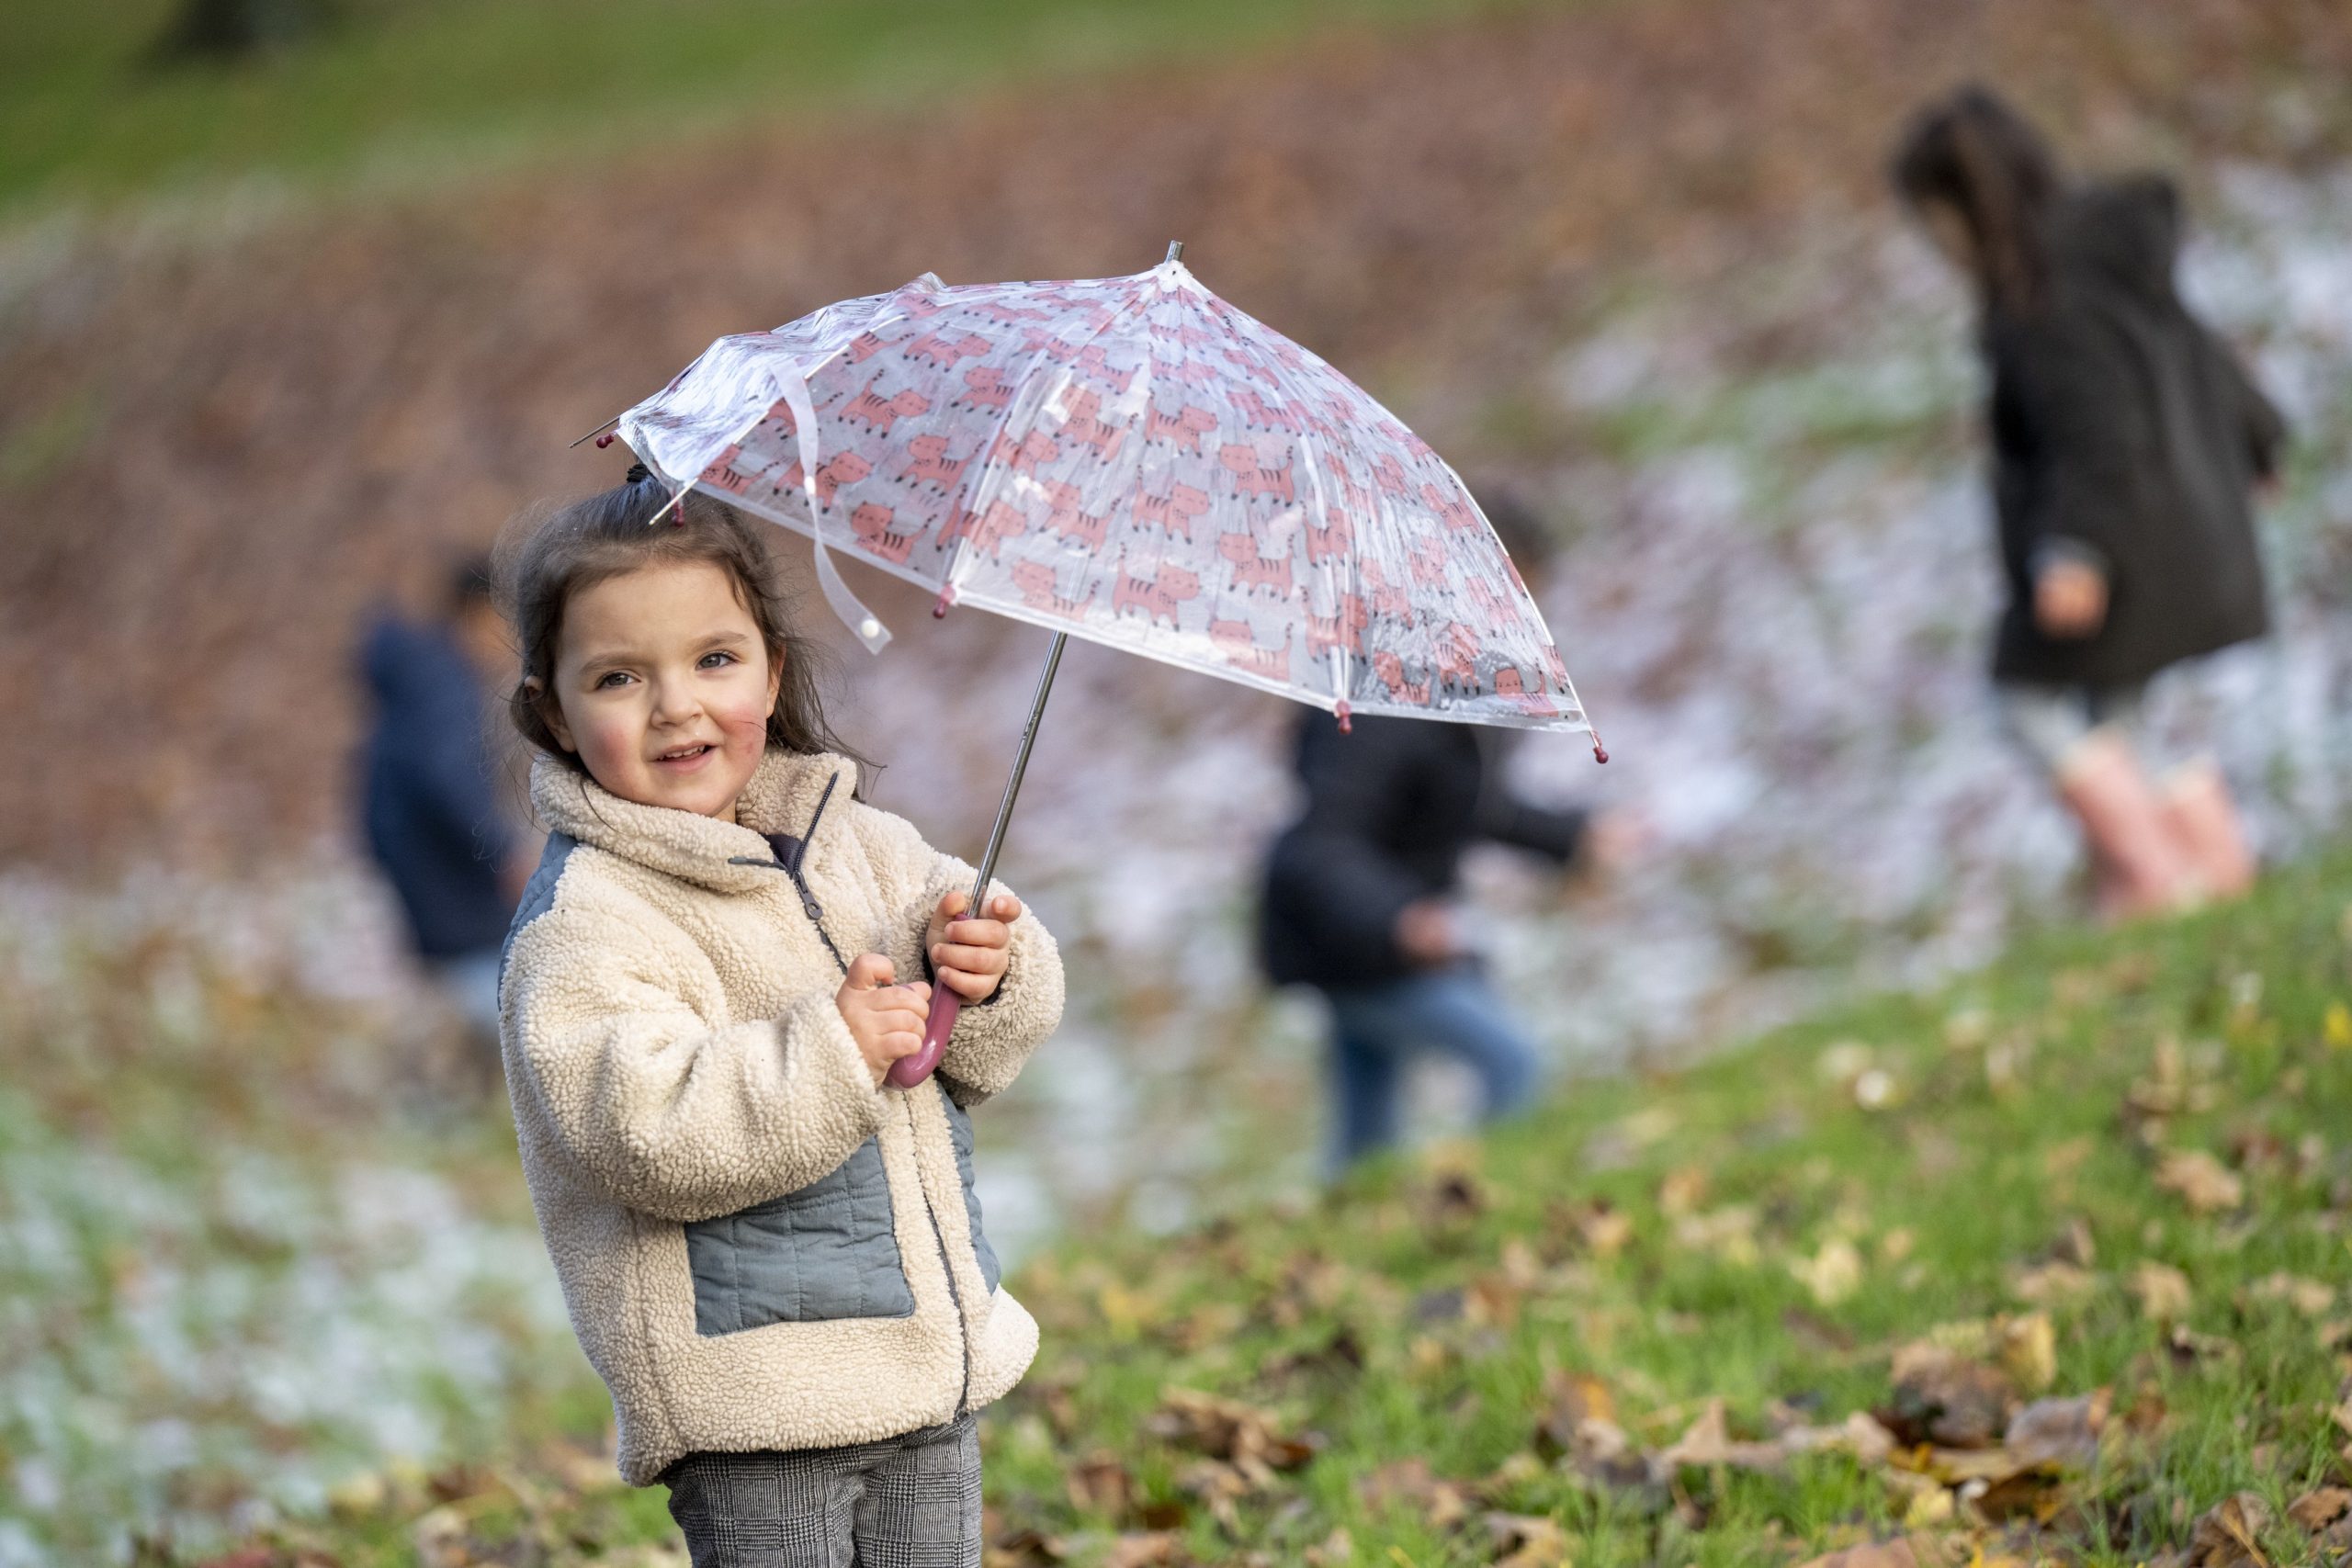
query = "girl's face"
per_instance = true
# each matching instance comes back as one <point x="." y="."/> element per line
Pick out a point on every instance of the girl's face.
<point x="663" y="687"/>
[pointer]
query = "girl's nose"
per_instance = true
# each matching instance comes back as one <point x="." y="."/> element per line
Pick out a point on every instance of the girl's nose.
<point x="674" y="702"/>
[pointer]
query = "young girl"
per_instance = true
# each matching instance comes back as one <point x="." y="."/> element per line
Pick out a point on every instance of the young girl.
<point x="775" y="1261"/>
<point x="2126" y="439"/>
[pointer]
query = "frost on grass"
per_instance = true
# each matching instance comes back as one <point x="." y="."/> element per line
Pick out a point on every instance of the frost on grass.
<point x="209" y="1315"/>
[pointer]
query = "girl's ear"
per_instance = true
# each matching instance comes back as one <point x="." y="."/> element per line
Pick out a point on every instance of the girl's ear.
<point x="537" y="691"/>
<point x="775" y="677"/>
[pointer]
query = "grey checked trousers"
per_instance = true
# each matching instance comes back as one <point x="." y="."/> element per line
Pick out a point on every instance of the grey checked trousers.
<point x="905" y="1502"/>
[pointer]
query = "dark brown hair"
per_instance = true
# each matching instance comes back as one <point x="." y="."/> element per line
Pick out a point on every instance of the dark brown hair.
<point x="542" y="560"/>
<point x="1976" y="154"/>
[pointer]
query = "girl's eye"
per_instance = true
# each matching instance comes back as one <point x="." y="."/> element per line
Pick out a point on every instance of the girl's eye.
<point x="609" y="678"/>
<point x="721" y="655"/>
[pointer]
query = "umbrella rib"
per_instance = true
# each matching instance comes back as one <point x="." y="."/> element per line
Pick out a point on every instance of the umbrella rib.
<point x="1316" y="461"/>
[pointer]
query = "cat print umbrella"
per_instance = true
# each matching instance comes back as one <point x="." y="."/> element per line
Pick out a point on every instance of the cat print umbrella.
<point x="1130" y="460"/>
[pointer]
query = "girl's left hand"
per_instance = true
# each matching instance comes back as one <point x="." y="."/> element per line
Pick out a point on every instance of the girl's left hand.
<point x="969" y="957"/>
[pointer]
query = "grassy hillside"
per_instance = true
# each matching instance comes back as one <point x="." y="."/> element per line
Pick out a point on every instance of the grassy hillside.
<point x="436" y="87"/>
<point x="2043" y="1267"/>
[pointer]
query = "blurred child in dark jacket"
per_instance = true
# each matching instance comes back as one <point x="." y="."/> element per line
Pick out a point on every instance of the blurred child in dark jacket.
<point x="1358" y="894"/>
<point x="2126" y="439"/>
<point x="429" y="804"/>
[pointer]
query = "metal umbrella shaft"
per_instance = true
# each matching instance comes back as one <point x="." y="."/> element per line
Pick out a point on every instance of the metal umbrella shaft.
<point x="908" y="1071"/>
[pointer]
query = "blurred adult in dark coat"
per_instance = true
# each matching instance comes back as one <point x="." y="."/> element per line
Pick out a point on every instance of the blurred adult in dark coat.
<point x="429" y="801"/>
<point x="2127" y="441"/>
<point x="1358" y="895"/>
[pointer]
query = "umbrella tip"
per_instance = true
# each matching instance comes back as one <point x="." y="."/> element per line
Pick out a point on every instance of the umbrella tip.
<point x="1599" y="752"/>
<point x="603" y="441"/>
<point x="1342" y="711"/>
<point x="939" y="606"/>
<point x="1175" y="251"/>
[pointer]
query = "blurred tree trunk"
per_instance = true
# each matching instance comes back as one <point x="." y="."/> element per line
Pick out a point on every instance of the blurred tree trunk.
<point x="226" y="32"/>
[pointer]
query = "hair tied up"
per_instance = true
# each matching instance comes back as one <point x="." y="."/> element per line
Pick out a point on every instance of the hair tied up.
<point x="637" y="474"/>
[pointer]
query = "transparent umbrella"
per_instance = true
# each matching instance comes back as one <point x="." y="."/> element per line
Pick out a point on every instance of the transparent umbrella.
<point x="1130" y="460"/>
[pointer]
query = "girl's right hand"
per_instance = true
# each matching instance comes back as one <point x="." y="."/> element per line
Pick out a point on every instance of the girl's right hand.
<point x="2069" y="600"/>
<point x="886" y="1019"/>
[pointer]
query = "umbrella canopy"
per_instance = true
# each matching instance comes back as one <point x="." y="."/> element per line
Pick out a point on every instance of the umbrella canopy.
<point x="1130" y="460"/>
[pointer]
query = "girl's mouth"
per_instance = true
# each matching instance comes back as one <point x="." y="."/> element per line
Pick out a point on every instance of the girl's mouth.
<point x="683" y="757"/>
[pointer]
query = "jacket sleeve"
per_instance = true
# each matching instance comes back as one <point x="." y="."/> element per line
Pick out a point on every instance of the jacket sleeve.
<point x="1330" y="873"/>
<point x="991" y="1040"/>
<point x="1506" y="819"/>
<point x="2063" y="372"/>
<point x="662" y="1111"/>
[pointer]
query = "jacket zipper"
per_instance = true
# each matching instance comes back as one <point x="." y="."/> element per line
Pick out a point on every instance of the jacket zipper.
<point x="791" y="866"/>
<point x="947" y="1267"/>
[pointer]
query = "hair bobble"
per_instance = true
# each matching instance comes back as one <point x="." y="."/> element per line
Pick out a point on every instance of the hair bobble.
<point x="637" y="474"/>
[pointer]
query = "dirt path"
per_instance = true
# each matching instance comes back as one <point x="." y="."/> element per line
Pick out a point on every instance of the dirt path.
<point x="273" y="432"/>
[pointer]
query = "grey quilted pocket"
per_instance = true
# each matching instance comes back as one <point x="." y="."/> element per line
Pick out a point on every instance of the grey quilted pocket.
<point x="826" y="1251"/>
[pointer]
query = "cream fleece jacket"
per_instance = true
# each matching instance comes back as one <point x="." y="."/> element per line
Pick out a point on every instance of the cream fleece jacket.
<point x="673" y="1054"/>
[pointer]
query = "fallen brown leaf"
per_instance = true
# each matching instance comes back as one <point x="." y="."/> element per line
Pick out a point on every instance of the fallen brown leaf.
<point x="1921" y="1501"/>
<point x="2054" y="1284"/>
<point x="441" y="1538"/>
<point x="1148" y="1548"/>
<point x="2228" y="1535"/>
<point x="1220" y="1488"/>
<point x="1870" y="1444"/>
<point x="2315" y="1510"/>
<point x="2028" y="1350"/>
<point x="1598" y="1227"/>
<point x="1707" y="1443"/>
<point x="2059" y="1433"/>
<point x="1409" y="1484"/>
<point x="1682" y="1190"/>
<point x="1528" y="1540"/>
<point x="1832" y="1274"/>
<point x="1337" y="1549"/>
<point x="2199" y="1179"/>
<point x="1943" y="1397"/>
<point x="2162" y="1291"/>
<point x="1100" y="1484"/>
<point x="2310" y="1297"/>
<point x="1574" y="1399"/>
<point x="1229" y="1429"/>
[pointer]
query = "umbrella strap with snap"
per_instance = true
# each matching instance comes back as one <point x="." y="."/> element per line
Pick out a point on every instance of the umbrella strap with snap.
<point x="862" y="623"/>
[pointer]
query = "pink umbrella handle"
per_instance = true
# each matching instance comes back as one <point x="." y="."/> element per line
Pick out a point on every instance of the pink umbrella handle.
<point x="908" y="1071"/>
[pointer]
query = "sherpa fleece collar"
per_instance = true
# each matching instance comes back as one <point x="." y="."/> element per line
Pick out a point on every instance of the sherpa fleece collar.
<point x="781" y="798"/>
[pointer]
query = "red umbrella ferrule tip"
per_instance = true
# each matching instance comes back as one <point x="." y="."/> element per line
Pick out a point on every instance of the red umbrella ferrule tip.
<point x="1599" y="752"/>
<point x="603" y="441"/>
<point x="1346" y="726"/>
<point x="939" y="605"/>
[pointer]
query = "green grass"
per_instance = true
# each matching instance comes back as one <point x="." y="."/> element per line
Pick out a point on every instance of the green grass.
<point x="1644" y="1245"/>
<point x="424" y="88"/>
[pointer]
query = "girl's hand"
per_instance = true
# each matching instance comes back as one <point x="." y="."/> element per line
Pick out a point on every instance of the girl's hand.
<point x="886" y="1019"/>
<point x="1428" y="934"/>
<point x="2069" y="600"/>
<point x="970" y="957"/>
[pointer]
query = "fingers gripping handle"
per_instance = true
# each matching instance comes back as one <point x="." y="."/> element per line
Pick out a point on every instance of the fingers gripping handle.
<point x="908" y="1071"/>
